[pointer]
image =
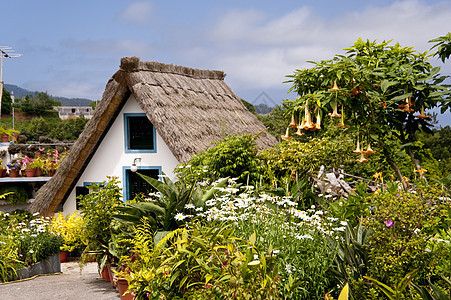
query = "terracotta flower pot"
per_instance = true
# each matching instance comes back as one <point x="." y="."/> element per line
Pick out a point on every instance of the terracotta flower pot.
<point x="13" y="173"/>
<point x="122" y="287"/>
<point x="2" y="172"/>
<point x="63" y="256"/>
<point x="5" y="138"/>
<point x="30" y="172"/>
<point x="38" y="172"/>
<point x="106" y="273"/>
<point x="50" y="173"/>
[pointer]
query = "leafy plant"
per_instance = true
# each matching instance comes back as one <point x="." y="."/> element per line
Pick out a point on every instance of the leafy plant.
<point x="234" y="156"/>
<point x="202" y="262"/>
<point x="97" y="209"/>
<point x="162" y="211"/>
<point x="352" y="259"/>
<point x="14" y="194"/>
<point x="70" y="228"/>
<point x="397" y="292"/>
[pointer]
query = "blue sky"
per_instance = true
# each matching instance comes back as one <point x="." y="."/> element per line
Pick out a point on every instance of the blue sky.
<point x="72" y="48"/>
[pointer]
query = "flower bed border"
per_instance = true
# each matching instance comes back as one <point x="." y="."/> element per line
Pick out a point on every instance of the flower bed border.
<point x="49" y="266"/>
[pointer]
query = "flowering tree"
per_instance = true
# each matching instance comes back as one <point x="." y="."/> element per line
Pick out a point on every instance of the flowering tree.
<point x="379" y="90"/>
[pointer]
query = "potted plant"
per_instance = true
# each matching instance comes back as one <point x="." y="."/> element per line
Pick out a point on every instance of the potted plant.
<point x="70" y="228"/>
<point x="7" y="133"/>
<point x="27" y="165"/>
<point x="38" y="164"/>
<point x="14" y="167"/>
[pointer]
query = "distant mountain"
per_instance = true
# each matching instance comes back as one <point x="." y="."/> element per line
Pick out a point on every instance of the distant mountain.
<point x="20" y="93"/>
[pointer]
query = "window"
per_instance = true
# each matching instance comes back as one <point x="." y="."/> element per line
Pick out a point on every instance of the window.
<point x="135" y="185"/>
<point x="139" y="134"/>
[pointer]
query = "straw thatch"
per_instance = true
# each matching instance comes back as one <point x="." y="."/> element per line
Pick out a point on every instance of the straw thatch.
<point x="189" y="108"/>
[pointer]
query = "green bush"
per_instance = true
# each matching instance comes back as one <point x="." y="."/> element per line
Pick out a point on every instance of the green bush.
<point x="402" y="223"/>
<point x="19" y="194"/>
<point x="234" y="156"/>
<point x="201" y="262"/>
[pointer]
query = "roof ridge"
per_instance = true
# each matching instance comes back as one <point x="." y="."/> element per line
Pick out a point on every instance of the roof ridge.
<point x="133" y="64"/>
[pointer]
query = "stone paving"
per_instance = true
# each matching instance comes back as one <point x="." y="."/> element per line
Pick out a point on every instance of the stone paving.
<point x="70" y="285"/>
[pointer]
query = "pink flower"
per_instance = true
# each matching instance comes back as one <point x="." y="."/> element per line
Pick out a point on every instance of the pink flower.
<point x="388" y="223"/>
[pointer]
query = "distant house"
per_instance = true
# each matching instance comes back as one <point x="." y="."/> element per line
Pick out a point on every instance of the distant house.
<point x="72" y="112"/>
<point x="156" y="115"/>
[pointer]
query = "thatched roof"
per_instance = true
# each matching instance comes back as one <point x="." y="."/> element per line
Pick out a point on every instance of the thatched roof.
<point x="189" y="108"/>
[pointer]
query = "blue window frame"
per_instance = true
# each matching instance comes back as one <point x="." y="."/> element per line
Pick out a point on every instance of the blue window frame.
<point x="134" y="185"/>
<point x="139" y="134"/>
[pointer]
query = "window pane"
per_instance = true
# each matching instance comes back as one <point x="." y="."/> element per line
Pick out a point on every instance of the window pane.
<point x="137" y="186"/>
<point x="140" y="132"/>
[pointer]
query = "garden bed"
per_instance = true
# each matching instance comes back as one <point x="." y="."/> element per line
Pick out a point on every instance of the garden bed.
<point x="49" y="266"/>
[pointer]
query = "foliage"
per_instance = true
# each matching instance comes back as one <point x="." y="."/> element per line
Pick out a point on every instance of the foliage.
<point x="354" y="207"/>
<point x="202" y="262"/>
<point x="439" y="144"/>
<point x="70" y="228"/>
<point x="302" y="159"/>
<point x="97" y="210"/>
<point x="26" y="239"/>
<point x="377" y="88"/>
<point x="402" y="223"/>
<point x="275" y="121"/>
<point x="443" y="45"/>
<point x="16" y="193"/>
<point x="299" y="240"/>
<point x="53" y="128"/>
<point x="38" y="104"/>
<point x="234" y="156"/>
<point x="397" y="292"/>
<point x="163" y="209"/>
<point x="352" y="259"/>
<point x="6" y="102"/>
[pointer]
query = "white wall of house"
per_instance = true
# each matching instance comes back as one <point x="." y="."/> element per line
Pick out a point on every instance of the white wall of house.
<point x="110" y="158"/>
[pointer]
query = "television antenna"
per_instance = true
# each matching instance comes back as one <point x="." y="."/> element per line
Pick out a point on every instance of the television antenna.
<point x="6" y="51"/>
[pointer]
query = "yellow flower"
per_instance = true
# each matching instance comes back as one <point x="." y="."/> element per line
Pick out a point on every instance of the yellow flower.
<point x="362" y="158"/>
<point x="368" y="150"/>
<point x="335" y="87"/>
<point x="357" y="150"/>
<point x="335" y="113"/>
<point x="422" y="115"/>
<point x="286" y="137"/>
<point x="293" y="123"/>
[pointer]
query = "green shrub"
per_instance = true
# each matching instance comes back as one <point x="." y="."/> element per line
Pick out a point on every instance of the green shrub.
<point x="234" y="156"/>
<point x="201" y="262"/>
<point x="402" y="223"/>
<point x="19" y="194"/>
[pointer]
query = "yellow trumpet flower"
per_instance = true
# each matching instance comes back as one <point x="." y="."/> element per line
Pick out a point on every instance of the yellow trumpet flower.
<point x="293" y="123"/>
<point x="357" y="150"/>
<point x="335" y="113"/>
<point x="286" y="137"/>
<point x="422" y="115"/>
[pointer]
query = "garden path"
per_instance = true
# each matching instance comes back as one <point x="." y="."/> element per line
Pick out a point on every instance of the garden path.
<point x="69" y="285"/>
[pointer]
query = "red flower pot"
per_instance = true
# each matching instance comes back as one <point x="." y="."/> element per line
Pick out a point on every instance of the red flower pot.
<point x="13" y="173"/>
<point x="5" y="138"/>
<point x="122" y="287"/>
<point x="30" y="172"/>
<point x="63" y="256"/>
<point x="106" y="273"/>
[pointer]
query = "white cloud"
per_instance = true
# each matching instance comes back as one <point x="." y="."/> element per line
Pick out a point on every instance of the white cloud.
<point x="257" y="52"/>
<point x="139" y="13"/>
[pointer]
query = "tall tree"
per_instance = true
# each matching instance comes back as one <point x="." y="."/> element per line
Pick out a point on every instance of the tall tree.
<point x="377" y="89"/>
